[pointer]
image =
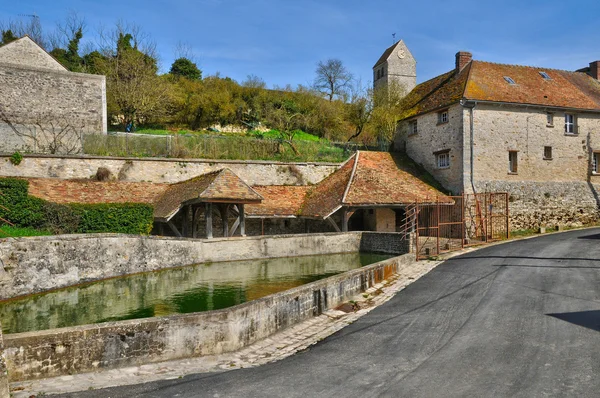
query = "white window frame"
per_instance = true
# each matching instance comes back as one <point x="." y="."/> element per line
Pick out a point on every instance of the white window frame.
<point x="413" y="127"/>
<point x="570" y="123"/>
<point x="513" y="163"/>
<point x="549" y="119"/>
<point x="442" y="160"/>
<point x="595" y="162"/>
<point x="443" y="117"/>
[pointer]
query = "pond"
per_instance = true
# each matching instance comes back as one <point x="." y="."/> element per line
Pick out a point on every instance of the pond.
<point x="195" y="288"/>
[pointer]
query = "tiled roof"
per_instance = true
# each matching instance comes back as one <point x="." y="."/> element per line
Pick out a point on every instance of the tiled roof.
<point x="90" y="191"/>
<point x="564" y="89"/>
<point x="278" y="201"/>
<point x="379" y="178"/>
<point x="484" y="81"/>
<point x="219" y="186"/>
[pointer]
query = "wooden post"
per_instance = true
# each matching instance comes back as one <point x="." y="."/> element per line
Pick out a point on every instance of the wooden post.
<point x="208" y="218"/>
<point x="345" y="219"/>
<point x="224" y="209"/>
<point x="242" y="220"/>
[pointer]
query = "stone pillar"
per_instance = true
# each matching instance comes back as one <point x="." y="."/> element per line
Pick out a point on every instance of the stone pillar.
<point x="4" y="391"/>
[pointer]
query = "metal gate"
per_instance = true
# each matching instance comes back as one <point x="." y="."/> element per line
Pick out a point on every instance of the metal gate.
<point x="458" y="222"/>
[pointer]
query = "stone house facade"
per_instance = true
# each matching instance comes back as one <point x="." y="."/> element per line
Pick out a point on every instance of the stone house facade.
<point x="530" y="131"/>
<point x="43" y="106"/>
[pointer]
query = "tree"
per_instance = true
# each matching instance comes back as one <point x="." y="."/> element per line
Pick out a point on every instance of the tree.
<point x="359" y="110"/>
<point x="387" y="107"/>
<point x="31" y="27"/>
<point x="333" y="79"/>
<point x="183" y="67"/>
<point x="70" y="58"/>
<point x="8" y="36"/>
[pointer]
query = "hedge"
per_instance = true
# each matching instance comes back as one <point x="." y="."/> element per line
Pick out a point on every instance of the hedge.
<point x="23" y="210"/>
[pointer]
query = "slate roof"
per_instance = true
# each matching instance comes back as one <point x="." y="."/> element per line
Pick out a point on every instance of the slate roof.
<point x="221" y="186"/>
<point x="91" y="192"/>
<point x="386" y="54"/>
<point x="370" y="179"/>
<point x="484" y="81"/>
<point x="278" y="201"/>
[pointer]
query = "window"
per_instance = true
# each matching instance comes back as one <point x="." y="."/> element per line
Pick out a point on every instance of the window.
<point x="412" y="127"/>
<point x="550" y="119"/>
<point x="545" y="75"/>
<point x="595" y="161"/>
<point x="570" y="126"/>
<point x="509" y="80"/>
<point x="443" y="116"/>
<point x="512" y="162"/>
<point x="443" y="160"/>
<point x="547" y="153"/>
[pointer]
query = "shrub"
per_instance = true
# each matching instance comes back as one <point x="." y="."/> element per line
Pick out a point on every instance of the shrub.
<point x="103" y="174"/>
<point x="126" y="218"/>
<point x="16" y="158"/>
<point x="60" y="219"/>
<point x="17" y="207"/>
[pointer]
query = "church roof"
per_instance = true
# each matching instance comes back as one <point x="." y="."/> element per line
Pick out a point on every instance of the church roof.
<point x="486" y="82"/>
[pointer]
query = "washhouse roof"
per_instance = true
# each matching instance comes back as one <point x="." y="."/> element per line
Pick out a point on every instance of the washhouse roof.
<point x="279" y="201"/>
<point x="516" y="84"/>
<point x="370" y="179"/>
<point x="221" y="186"/>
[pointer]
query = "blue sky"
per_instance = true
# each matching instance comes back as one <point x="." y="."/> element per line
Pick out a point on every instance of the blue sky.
<point x="281" y="41"/>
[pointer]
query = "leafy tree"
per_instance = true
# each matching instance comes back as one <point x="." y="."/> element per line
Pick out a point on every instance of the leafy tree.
<point x="70" y="57"/>
<point x="8" y="36"/>
<point x="332" y="78"/>
<point x="183" y="67"/>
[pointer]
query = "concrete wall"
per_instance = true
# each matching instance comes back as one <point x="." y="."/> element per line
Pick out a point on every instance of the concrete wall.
<point x="115" y="344"/>
<point x="166" y="170"/>
<point x="4" y="391"/>
<point x="32" y="265"/>
<point x="433" y="137"/>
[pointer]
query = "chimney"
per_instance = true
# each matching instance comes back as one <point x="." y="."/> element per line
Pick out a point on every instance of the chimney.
<point x="595" y="69"/>
<point x="462" y="59"/>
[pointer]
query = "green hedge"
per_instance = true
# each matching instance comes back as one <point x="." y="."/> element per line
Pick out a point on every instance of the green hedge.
<point x="27" y="211"/>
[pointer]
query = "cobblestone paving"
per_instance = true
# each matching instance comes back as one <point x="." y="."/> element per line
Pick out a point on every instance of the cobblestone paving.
<point x="278" y="346"/>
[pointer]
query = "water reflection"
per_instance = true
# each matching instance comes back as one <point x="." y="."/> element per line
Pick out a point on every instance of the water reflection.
<point x="188" y="289"/>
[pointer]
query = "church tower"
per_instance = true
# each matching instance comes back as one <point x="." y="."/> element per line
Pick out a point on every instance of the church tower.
<point x="396" y="64"/>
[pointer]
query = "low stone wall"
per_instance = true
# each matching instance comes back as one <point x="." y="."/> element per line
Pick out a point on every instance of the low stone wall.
<point x="4" y="392"/>
<point x="165" y="170"/>
<point x="547" y="204"/>
<point x="385" y="242"/>
<point x="32" y="265"/>
<point x="87" y="348"/>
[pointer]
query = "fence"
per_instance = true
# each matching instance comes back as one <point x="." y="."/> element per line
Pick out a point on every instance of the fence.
<point x="462" y="221"/>
<point x="210" y="147"/>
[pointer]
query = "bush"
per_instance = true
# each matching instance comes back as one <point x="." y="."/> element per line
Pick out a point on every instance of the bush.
<point x="16" y="158"/>
<point x="17" y="207"/>
<point x="60" y="219"/>
<point x="125" y="218"/>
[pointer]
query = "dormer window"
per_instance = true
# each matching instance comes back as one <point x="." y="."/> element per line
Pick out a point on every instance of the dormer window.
<point x="545" y="75"/>
<point x="509" y="80"/>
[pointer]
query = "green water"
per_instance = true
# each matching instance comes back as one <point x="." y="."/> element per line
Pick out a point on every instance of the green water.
<point x="195" y="288"/>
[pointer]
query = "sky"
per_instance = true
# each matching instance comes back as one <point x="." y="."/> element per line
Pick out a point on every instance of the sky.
<point x="281" y="41"/>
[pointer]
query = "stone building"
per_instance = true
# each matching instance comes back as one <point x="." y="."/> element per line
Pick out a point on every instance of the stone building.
<point x="531" y="131"/>
<point x="43" y="106"/>
<point x="396" y="67"/>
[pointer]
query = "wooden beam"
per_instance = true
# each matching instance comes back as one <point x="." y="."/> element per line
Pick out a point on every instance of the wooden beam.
<point x="174" y="228"/>
<point x="335" y="226"/>
<point x="223" y="208"/>
<point x="208" y="217"/>
<point x="242" y="219"/>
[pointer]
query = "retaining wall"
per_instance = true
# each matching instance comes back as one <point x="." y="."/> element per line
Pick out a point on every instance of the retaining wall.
<point x="115" y="344"/>
<point x="4" y="392"/>
<point x="165" y="170"/>
<point x="32" y="265"/>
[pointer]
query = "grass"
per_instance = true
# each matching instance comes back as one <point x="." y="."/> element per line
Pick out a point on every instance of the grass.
<point x="6" y="231"/>
<point x="204" y="146"/>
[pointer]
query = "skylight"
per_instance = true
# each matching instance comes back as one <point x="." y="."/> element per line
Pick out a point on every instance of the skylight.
<point x="509" y="80"/>
<point x="545" y="75"/>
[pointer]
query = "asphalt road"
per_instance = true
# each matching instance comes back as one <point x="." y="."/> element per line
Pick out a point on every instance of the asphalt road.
<point x="520" y="319"/>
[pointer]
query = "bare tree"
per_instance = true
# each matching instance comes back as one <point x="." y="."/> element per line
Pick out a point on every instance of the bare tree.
<point x="46" y="132"/>
<point x="332" y="78"/>
<point x="360" y="109"/>
<point x="30" y="25"/>
<point x="66" y="30"/>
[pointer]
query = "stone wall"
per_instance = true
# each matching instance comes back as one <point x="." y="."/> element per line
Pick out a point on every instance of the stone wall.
<point x="385" y="242"/>
<point x="25" y="52"/>
<point x="45" y="104"/>
<point x="397" y="71"/>
<point x="433" y="137"/>
<point x="115" y="344"/>
<point x="4" y="391"/>
<point x="166" y="170"/>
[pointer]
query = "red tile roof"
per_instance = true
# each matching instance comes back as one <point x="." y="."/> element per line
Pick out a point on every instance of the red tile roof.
<point x="279" y="201"/>
<point x="91" y="191"/>
<point x="379" y="178"/>
<point x="484" y="81"/>
<point x="218" y="186"/>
